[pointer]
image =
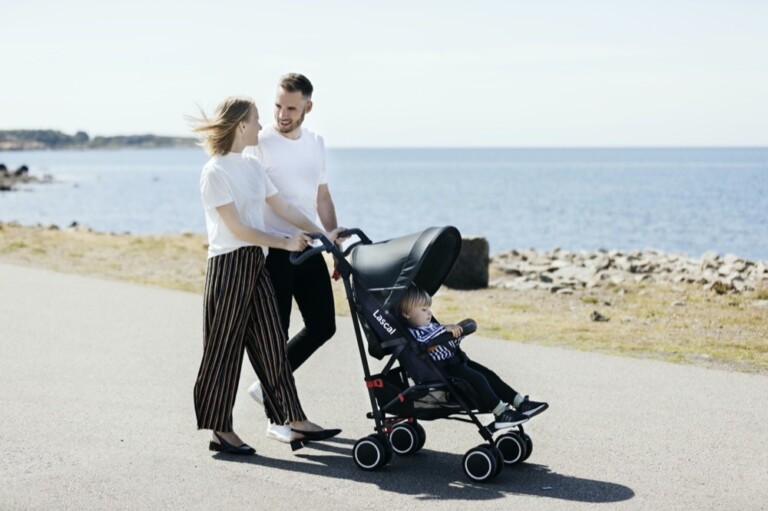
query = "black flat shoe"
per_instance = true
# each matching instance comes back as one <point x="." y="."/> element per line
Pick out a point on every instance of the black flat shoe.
<point x="323" y="434"/>
<point x="227" y="448"/>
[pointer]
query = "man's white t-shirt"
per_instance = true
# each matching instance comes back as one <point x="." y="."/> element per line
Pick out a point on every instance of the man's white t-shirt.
<point x="234" y="178"/>
<point x="296" y="168"/>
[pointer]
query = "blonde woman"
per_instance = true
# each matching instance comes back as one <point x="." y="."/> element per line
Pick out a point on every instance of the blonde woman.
<point x="240" y="313"/>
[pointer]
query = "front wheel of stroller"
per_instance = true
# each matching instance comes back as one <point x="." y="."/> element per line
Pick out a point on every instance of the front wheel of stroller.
<point x="512" y="447"/>
<point x="404" y="439"/>
<point x="499" y="457"/>
<point x="480" y="464"/>
<point x="528" y="446"/>
<point x="422" y="435"/>
<point x="370" y="453"/>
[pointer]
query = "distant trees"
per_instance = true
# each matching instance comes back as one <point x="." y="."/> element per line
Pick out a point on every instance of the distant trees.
<point x="52" y="139"/>
<point x="81" y="137"/>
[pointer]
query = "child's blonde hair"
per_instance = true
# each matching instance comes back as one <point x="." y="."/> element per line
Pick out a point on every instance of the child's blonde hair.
<point x="414" y="297"/>
<point x="218" y="134"/>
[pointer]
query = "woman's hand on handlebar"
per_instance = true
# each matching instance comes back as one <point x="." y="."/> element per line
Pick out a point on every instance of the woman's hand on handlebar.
<point x="297" y="242"/>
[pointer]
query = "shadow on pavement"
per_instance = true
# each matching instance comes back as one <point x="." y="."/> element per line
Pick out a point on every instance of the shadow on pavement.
<point x="438" y="475"/>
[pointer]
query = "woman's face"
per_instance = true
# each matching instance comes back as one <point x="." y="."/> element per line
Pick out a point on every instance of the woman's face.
<point x="251" y="127"/>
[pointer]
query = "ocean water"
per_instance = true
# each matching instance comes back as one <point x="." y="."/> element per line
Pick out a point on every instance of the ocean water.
<point x="676" y="200"/>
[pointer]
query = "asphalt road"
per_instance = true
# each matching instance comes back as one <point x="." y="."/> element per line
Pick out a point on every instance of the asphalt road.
<point x="96" y="413"/>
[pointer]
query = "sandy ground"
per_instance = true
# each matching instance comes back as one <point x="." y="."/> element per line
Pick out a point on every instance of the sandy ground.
<point x="97" y="413"/>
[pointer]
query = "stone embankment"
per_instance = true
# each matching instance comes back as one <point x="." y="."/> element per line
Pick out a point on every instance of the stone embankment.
<point x="561" y="271"/>
<point x="10" y="178"/>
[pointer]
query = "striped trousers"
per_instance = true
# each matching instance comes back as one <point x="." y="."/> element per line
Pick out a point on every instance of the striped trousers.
<point x="241" y="315"/>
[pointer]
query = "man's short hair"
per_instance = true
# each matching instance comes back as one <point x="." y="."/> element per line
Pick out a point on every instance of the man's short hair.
<point x="293" y="82"/>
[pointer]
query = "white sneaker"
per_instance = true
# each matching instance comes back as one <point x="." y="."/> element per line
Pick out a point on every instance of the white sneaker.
<point x="279" y="432"/>
<point x="256" y="393"/>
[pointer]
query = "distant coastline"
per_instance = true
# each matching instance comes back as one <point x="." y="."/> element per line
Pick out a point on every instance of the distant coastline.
<point x="30" y="140"/>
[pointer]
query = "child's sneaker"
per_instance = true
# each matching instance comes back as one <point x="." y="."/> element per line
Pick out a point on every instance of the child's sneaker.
<point x="530" y="408"/>
<point x="509" y="418"/>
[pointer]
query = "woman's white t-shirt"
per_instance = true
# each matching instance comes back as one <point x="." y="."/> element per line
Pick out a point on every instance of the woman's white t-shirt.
<point x="234" y="178"/>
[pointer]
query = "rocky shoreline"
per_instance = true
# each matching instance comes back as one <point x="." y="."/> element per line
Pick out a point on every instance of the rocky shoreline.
<point x="562" y="271"/>
<point x="10" y="178"/>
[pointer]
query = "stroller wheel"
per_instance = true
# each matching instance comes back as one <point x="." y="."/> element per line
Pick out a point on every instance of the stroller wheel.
<point x="499" y="457"/>
<point x="422" y="435"/>
<point x="404" y="439"/>
<point x="528" y="446"/>
<point x="480" y="464"/>
<point x="512" y="447"/>
<point x="370" y="453"/>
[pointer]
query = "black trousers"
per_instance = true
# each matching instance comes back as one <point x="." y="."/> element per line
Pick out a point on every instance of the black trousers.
<point x="489" y="386"/>
<point x="310" y="284"/>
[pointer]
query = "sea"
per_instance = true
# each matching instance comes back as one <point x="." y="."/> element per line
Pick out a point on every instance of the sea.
<point x="679" y="200"/>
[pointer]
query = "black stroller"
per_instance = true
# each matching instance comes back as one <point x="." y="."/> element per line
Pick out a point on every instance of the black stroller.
<point x="376" y="275"/>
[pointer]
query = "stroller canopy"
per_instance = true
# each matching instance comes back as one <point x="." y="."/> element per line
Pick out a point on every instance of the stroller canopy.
<point x="387" y="268"/>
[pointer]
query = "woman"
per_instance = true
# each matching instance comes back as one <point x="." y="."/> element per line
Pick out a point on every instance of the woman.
<point x="239" y="305"/>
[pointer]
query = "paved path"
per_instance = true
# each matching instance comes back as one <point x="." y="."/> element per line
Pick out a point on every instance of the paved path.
<point x="96" y="413"/>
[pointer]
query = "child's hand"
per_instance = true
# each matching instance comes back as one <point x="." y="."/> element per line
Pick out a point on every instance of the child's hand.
<point x="456" y="330"/>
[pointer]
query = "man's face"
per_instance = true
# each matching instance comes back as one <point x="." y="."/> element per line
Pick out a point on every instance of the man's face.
<point x="290" y="108"/>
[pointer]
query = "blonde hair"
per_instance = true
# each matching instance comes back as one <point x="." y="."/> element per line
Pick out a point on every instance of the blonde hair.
<point x="218" y="134"/>
<point x="414" y="297"/>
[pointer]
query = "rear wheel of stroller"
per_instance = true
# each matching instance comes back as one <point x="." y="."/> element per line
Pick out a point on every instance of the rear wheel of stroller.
<point x="422" y="435"/>
<point x="528" y="446"/>
<point x="512" y="447"/>
<point x="404" y="439"/>
<point x="370" y="453"/>
<point x="480" y="464"/>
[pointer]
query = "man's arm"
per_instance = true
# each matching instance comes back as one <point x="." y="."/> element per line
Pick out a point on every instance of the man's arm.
<point x="290" y="213"/>
<point x="325" y="208"/>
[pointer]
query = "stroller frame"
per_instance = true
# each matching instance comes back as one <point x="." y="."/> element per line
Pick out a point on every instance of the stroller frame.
<point x="388" y="337"/>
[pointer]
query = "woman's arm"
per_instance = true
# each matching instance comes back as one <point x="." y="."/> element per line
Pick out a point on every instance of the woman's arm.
<point x="228" y="214"/>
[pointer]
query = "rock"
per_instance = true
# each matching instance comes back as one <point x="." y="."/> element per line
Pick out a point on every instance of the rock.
<point x="739" y="285"/>
<point x="678" y="304"/>
<point x="719" y="287"/>
<point x="596" y="316"/>
<point x="470" y="271"/>
<point x="710" y="260"/>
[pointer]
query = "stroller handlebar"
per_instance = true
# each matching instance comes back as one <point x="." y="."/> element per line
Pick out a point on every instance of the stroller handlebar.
<point x="297" y="258"/>
<point x="468" y="326"/>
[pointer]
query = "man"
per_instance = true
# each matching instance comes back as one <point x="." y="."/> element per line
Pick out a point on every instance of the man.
<point x="294" y="159"/>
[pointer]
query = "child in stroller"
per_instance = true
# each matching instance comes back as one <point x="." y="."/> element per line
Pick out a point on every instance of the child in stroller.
<point x="442" y="343"/>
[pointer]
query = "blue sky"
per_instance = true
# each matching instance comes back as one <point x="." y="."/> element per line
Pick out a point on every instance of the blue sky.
<point x="399" y="73"/>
